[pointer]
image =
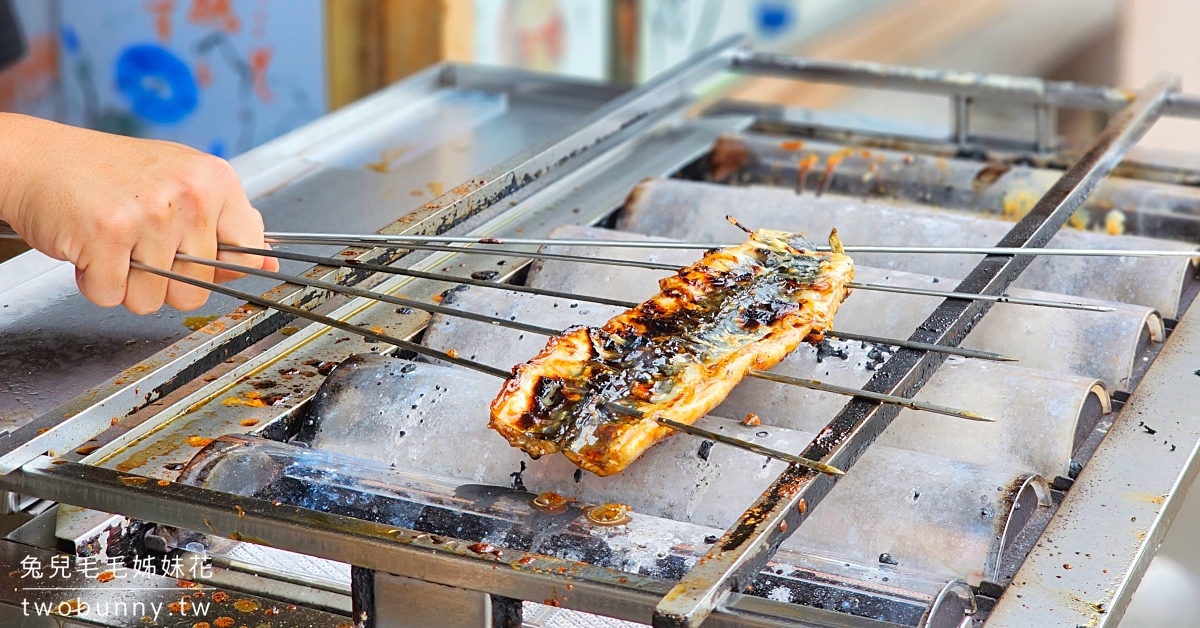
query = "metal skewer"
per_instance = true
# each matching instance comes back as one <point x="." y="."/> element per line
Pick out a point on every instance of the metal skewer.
<point x="864" y="394"/>
<point x="546" y="331"/>
<point x="410" y="242"/>
<point x="324" y="320"/>
<point x="919" y="346"/>
<point x="970" y="296"/>
<point x="382" y="240"/>
<point x="729" y="440"/>
<point x="369" y="294"/>
<point x="440" y="355"/>
<point x="391" y="270"/>
<point x="608" y="261"/>
<point x="349" y="263"/>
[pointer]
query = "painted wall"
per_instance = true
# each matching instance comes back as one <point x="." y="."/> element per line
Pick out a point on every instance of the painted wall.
<point x="561" y="36"/>
<point x="219" y="75"/>
<point x="670" y="30"/>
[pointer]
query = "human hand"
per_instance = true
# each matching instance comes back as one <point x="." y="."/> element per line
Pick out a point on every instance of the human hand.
<point x="99" y="200"/>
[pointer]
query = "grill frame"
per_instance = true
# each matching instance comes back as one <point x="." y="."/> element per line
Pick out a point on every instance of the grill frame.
<point x="93" y="486"/>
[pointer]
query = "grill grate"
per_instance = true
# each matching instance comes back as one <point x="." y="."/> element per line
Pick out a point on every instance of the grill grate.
<point x="594" y="163"/>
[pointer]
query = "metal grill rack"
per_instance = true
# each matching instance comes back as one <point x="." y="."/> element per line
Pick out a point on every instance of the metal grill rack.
<point x="220" y="461"/>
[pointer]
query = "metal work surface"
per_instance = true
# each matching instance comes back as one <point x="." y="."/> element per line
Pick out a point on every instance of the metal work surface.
<point x="430" y="516"/>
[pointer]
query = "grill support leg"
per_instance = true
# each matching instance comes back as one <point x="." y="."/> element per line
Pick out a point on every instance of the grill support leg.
<point x="384" y="600"/>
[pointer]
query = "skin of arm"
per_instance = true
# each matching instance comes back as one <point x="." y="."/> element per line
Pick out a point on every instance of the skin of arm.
<point x="98" y="200"/>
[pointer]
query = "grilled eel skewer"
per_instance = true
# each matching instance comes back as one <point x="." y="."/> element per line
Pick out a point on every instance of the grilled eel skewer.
<point x="594" y="393"/>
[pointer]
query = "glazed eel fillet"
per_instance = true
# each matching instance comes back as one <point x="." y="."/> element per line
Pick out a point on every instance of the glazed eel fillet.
<point x="676" y="355"/>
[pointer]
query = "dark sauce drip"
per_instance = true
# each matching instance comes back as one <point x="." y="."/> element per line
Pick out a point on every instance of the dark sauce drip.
<point x="636" y="365"/>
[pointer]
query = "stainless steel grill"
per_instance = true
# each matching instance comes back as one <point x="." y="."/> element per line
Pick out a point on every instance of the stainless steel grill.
<point x="360" y="480"/>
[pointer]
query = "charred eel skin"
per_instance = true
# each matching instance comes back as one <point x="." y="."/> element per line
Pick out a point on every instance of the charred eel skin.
<point x="676" y="355"/>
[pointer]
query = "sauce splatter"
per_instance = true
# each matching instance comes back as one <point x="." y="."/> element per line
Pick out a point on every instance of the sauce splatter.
<point x="198" y="441"/>
<point x="246" y="606"/>
<point x="551" y="503"/>
<point x="195" y="323"/>
<point x="484" y="548"/>
<point x="611" y="514"/>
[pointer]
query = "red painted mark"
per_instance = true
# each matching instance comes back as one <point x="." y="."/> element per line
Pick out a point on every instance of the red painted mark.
<point x="203" y="73"/>
<point x="214" y="13"/>
<point x="161" y="10"/>
<point x="544" y="44"/>
<point x="260" y="60"/>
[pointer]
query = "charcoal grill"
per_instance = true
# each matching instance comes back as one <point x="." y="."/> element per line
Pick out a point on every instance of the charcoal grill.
<point x="314" y="471"/>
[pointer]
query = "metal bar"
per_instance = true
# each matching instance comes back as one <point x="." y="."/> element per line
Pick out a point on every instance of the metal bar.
<point x="796" y="493"/>
<point x="692" y="430"/>
<point x="894" y="400"/>
<point x="345" y="263"/>
<point x="369" y="294"/>
<point x="960" y="109"/>
<point x="1036" y="252"/>
<point x="1067" y="305"/>
<point x="1045" y="120"/>
<point x="409" y="241"/>
<point x="507" y="253"/>
<point x="324" y="320"/>
<point x="406" y="272"/>
<point x="501" y="322"/>
<point x="609" y="261"/>
<point x="1017" y="89"/>
<point x="422" y="349"/>
<point x="405" y="241"/>
<point x="919" y="346"/>
<point x="819" y="467"/>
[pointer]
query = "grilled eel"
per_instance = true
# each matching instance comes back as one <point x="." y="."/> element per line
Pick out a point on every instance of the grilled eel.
<point x="676" y="355"/>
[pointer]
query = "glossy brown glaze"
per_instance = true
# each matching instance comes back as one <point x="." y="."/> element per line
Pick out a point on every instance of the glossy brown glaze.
<point x="674" y="356"/>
